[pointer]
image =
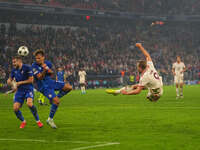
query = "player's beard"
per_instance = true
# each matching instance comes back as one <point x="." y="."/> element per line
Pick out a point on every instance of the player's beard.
<point x="16" y="66"/>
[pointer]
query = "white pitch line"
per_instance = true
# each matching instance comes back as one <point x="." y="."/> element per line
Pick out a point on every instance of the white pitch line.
<point x="94" y="146"/>
<point x="24" y="140"/>
<point x="86" y="142"/>
<point x="55" y="141"/>
<point x="177" y="107"/>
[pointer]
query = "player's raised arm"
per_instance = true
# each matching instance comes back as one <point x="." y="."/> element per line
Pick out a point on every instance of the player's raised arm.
<point x="144" y="51"/>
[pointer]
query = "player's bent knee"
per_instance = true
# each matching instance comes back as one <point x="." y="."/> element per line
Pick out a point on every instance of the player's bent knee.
<point x="67" y="87"/>
<point x="56" y="101"/>
<point x="16" y="107"/>
<point x="29" y="102"/>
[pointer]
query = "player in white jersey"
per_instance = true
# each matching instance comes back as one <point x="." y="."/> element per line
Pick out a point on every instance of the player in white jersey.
<point x="178" y="70"/>
<point x="149" y="79"/>
<point x="82" y="75"/>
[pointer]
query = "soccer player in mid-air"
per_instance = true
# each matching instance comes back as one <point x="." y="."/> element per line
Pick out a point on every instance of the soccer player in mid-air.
<point x="149" y="79"/>
<point x="82" y="75"/>
<point x="23" y="75"/>
<point x="42" y="70"/>
<point x="178" y="70"/>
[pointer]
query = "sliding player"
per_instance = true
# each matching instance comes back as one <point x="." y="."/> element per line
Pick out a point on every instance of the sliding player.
<point x="42" y="71"/>
<point x="149" y="79"/>
<point x="23" y="76"/>
<point x="178" y="69"/>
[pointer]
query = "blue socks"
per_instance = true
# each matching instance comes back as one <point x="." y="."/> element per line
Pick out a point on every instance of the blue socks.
<point x="53" y="110"/>
<point x="34" y="112"/>
<point x="62" y="93"/>
<point x="19" y="115"/>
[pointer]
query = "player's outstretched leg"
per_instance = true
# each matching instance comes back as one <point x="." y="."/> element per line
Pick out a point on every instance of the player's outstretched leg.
<point x="18" y="114"/>
<point x="65" y="90"/>
<point x="117" y="92"/>
<point x="113" y="92"/>
<point x="34" y="112"/>
<point x="53" y="110"/>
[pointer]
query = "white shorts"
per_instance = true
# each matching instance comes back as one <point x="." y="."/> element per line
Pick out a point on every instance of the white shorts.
<point x="178" y="79"/>
<point x="82" y="81"/>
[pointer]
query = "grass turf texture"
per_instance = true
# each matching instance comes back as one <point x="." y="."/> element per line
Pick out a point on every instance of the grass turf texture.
<point x="133" y="121"/>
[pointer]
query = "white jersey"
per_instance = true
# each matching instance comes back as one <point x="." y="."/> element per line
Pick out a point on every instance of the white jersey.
<point x="178" y="67"/>
<point x="82" y="75"/>
<point x="151" y="79"/>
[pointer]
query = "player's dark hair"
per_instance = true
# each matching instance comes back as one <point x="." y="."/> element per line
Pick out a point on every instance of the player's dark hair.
<point x="39" y="51"/>
<point x="17" y="57"/>
<point x="142" y="64"/>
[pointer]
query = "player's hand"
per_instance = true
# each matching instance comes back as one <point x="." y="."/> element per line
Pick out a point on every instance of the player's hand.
<point x="138" y="45"/>
<point x="174" y="73"/>
<point x="124" y="92"/>
<point x="45" y="67"/>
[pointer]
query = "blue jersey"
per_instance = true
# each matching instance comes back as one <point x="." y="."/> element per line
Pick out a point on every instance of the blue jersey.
<point x="60" y="76"/>
<point x="21" y="75"/>
<point x="47" y="82"/>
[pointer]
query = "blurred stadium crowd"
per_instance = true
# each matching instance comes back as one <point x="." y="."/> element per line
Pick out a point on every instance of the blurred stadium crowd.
<point x="104" y="50"/>
<point x="150" y="7"/>
<point x="105" y="47"/>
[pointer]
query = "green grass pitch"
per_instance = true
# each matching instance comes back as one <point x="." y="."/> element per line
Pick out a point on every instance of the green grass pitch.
<point x="98" y="121"/>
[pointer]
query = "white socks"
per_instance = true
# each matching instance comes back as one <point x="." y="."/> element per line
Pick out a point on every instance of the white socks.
<point x="83" y="89"/>
<point x="177" y="91"/>
<point x="181" y="89"/>
<point x="119" y="91"/>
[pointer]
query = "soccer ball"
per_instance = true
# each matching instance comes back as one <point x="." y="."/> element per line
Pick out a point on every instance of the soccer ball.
<point x="23" y="51"/>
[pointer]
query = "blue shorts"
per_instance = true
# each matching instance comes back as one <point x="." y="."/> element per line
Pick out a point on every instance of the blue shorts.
<point x="58" y="85"/>
<point x="20" y="96"/>
<point x="50" y="93"/>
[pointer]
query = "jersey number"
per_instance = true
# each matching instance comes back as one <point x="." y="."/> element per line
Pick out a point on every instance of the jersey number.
<point x="155" y="74"/>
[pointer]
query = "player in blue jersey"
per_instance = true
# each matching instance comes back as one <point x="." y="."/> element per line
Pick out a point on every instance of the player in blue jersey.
<point x="60" y="76"/>
<point x="42" y="70"/>
<point x="22" y="77"/>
